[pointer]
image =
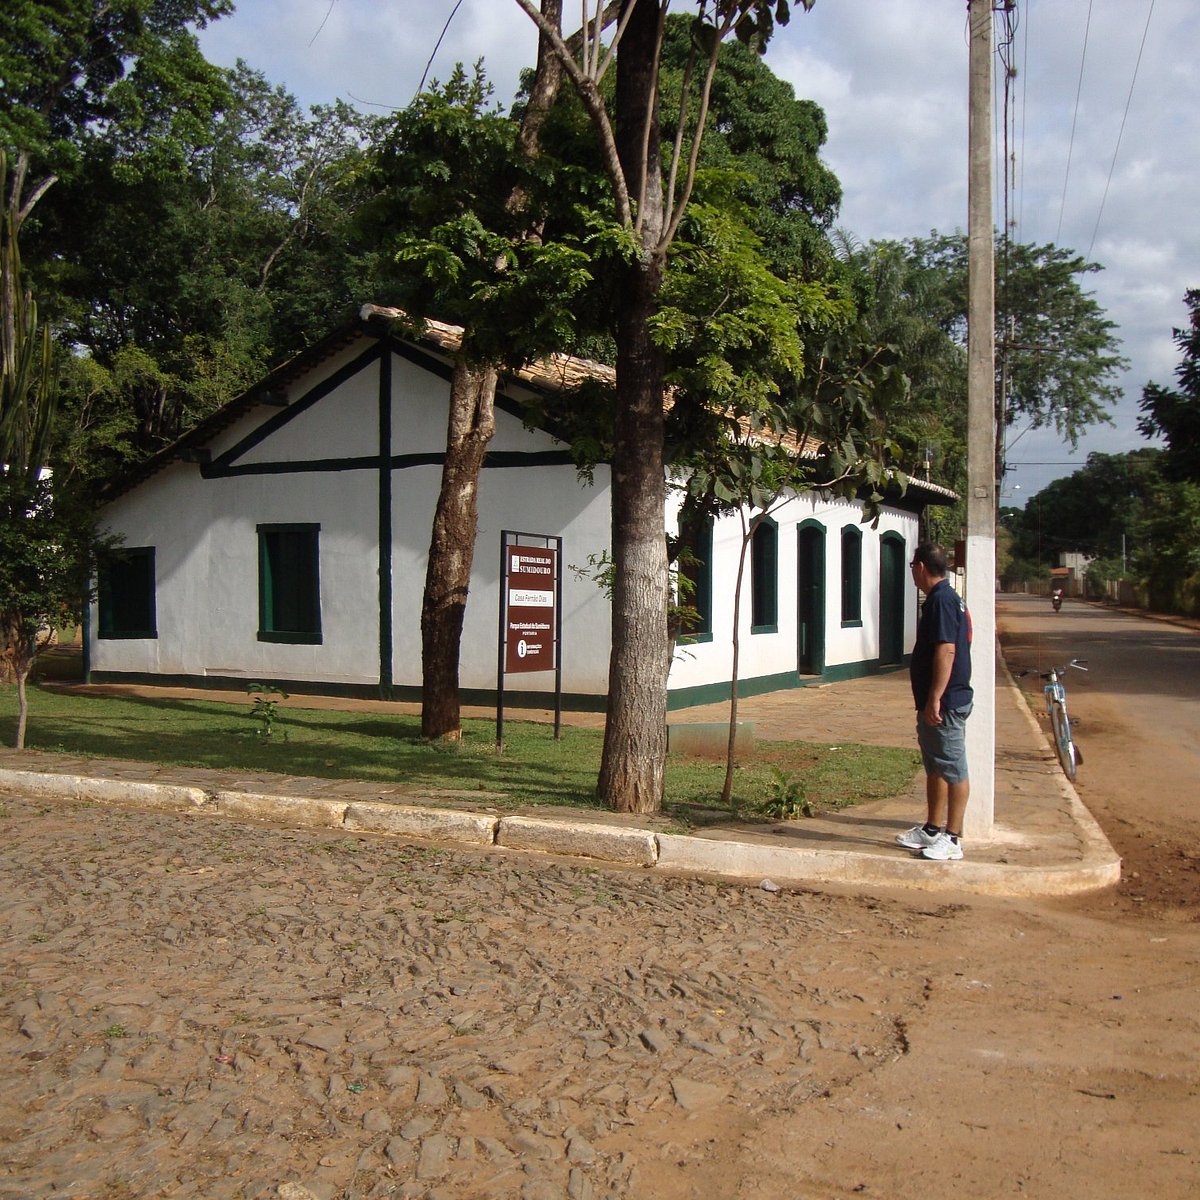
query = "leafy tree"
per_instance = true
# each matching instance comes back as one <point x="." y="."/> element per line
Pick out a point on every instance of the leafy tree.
<point x="1167" y="548"/>
<point x="1095" y="510"/>
<point x="60" y="62"/>
<point x="193" y="246"/>
<point x="43" y="536"/>
<point x="1175" y="414"/>
<point x="1057" y="357"/>
<point x="767" y="143"/>
<point x="650" y="191"/>
<point x="459" y="187"/>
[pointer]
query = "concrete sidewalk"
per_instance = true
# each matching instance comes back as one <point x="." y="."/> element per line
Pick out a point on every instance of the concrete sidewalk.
<point x="1044" y="842"/>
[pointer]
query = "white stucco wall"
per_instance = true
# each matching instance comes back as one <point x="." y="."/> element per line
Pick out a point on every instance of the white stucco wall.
<point x="204" y="531"/>
<point x="770" y="654"/>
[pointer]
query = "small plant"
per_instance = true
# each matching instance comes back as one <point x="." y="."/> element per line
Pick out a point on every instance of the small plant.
<point x="116" y="1031"/>
<point x="267" y="698"/>
<point x="787" y="799"/>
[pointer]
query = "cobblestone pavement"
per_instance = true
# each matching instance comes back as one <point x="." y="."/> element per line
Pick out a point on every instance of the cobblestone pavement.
<point x="194" y="1008"/>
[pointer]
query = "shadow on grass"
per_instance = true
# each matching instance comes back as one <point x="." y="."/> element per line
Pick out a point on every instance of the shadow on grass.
<point x="331" y="744"/>
<point x="319" y="743"/>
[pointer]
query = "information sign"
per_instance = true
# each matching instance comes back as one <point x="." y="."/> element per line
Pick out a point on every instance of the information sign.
<point x="530" y="626"/>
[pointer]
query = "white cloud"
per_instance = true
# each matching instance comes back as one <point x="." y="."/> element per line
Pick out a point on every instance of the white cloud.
<point x="892" y="77"/>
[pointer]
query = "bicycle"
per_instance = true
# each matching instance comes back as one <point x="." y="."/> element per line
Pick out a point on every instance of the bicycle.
<point x="1065" y="745"/>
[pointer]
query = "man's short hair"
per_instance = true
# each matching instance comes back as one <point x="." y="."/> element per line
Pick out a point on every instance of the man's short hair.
<point x="933" y="557"/>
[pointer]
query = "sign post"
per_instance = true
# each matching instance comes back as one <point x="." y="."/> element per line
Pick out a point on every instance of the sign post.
<point x="530" y="636"/>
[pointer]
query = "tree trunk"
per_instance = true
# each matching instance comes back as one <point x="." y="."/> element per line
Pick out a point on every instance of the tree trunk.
<point x="731" y="745"/>
<point x="452" y="547"/>
<point x="471" y="425"/>
<point x="633" y="767"/>
<point x="22" y="710"/>
<point x="17" y="654"/>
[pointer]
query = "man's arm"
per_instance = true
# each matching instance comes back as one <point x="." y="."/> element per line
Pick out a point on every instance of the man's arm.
<point x="943" y="664"/>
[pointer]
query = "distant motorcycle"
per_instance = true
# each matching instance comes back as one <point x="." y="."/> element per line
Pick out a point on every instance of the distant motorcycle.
<point x="1056" y="598"/>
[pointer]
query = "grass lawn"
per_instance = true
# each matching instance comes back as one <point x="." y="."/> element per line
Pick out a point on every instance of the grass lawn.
<point x="534" y="768"/>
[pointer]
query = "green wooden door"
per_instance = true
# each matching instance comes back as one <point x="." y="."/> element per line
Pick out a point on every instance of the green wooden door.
<point x="891" y="600"/>
<point x="810" y="599"/>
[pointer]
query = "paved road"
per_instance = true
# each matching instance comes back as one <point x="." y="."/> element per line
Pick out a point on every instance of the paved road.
<point x="1151" y="667"/>
<point x="194" y="1008"/>
<point x="1136" y="713"/>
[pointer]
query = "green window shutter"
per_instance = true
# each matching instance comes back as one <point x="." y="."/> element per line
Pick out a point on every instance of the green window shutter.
<point x="126" y="593"/>
<point x="696" y="538"/>
<point x="851" y="575"/>
<point x="289" y="583"/>
<point x="764" y="578"/>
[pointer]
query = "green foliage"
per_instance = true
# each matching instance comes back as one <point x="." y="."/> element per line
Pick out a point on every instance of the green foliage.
<point x="193" y="244"/>
<point x="1174" y="415"/>
<point x="1056" y="344"/>
<point x="761" y="152"/>
<point x="1091" y="510"/>
<point x="1167" y="553"/>
<point x="787" y="799"/>
<point x="267" y="699"/>
<point x="456" y="247"/>
<point x="60" y="62"/>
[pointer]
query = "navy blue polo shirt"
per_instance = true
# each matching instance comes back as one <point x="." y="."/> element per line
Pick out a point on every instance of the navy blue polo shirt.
<point x="943" y="619"/>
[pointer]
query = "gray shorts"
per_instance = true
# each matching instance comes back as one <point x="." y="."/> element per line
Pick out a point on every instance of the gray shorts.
<point x="944" y="746"/>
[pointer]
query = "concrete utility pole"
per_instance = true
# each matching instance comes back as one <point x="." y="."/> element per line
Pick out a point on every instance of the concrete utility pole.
<point x="981" y="429"/>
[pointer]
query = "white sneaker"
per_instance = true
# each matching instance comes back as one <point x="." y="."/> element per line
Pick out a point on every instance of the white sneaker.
<point x="943" y="848"/>
<point x="916" y="838"/>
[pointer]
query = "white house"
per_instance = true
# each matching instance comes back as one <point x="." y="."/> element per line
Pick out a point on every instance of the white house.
<point x="284" y="540"/>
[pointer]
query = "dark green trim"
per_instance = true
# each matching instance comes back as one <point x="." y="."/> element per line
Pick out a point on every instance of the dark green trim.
<point x="495" y="460"/>
<point x="126" y="594"/>
<point x="303" y="467"/>
<point x="696" y="536"/>
<point x="291" y="639"/>
<point x="87" y="640"/>
<point x="693" y="639"/>
<point x="479" y="697"/>
<point x="420" y="358"/>
<point x="385" y="522"/>
<point x="764" y="575"/>
<point x="850" y="545"/>
<point x="816" y="623"/>
<point x="298" y="606"/>
<point x="713" y="693"/>
<point x="293" y="410"/>
<point x="764" y="629"/>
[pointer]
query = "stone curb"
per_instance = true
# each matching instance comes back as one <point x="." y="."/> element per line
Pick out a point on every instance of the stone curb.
<point x="102" y="791"/>
<point x="634" y="847"/>
<point x="436" y="824"/>
<point x="303" y="811"/>
<point x="745" y="861"/>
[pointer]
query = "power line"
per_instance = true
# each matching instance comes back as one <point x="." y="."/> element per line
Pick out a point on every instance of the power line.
<point x="1120" y="133"/>
<point x="1074" y="118"/>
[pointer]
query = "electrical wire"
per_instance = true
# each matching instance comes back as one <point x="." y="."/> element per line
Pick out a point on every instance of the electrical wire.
<point x="1121" y="132"/>
<point x="437" y="46"/>
<point x="1074" y="119"/>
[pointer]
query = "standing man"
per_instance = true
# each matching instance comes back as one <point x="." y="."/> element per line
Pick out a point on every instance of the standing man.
<point x="940" y="671"/>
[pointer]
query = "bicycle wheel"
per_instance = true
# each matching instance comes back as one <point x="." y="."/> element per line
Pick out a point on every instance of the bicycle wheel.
<point x="1063" y="745"/>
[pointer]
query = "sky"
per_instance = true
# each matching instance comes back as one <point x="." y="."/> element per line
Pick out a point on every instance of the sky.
<point x="1103" y="141"/>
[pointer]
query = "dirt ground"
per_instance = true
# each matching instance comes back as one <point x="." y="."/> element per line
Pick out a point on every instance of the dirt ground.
<point x="196" y="1009"/>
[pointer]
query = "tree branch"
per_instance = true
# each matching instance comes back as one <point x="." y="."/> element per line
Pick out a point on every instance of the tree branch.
<point x="594" y="103"/>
